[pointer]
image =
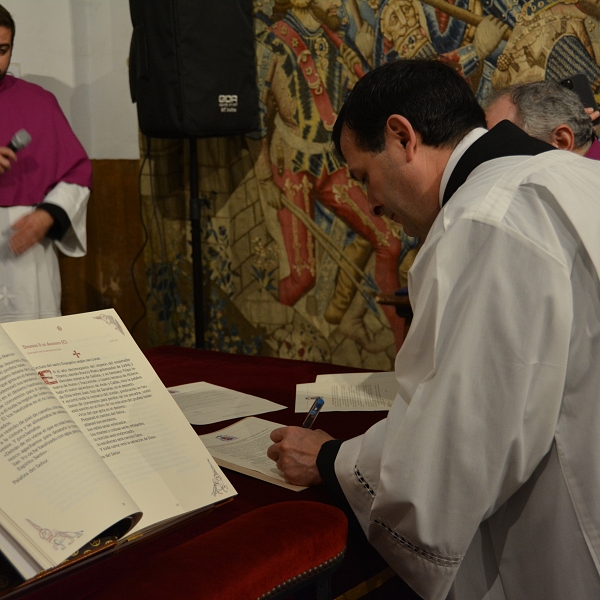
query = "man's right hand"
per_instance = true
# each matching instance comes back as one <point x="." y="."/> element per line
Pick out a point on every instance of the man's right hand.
<point x="7" y="158"/>
<point x="295" y="453"/>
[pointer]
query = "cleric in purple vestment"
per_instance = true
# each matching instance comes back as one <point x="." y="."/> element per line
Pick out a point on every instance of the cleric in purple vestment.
<point x="594" y="150"/>
<point x="45" y="182"/>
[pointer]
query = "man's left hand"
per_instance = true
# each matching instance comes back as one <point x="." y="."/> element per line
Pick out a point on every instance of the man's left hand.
<point x="295" y="452"/>
<point x="29" y="230"/>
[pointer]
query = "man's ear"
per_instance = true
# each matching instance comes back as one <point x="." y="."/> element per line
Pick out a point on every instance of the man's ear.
<point x="399" y="131"/>
<point x="563" y="138"/>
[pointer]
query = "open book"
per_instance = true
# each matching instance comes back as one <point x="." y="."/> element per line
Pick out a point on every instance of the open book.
<point x="89" y="439"/>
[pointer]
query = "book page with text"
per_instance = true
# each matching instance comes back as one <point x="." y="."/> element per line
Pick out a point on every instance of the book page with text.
<point x="243" y="447"/>
<point x="57" y="494"/>
<point x="95" y="368"/>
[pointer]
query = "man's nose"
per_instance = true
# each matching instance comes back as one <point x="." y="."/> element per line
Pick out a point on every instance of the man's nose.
<point x="376" y="207"/>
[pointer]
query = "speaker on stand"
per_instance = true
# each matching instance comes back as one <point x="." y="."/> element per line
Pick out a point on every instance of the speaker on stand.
<point x="192" y="74"/>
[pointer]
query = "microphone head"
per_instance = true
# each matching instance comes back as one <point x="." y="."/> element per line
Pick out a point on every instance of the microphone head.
<point x="20" y="140"/>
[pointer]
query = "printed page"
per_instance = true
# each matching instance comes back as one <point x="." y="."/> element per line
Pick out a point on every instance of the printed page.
<point x="57" y="494"/>
<point x="349" y="392"/>
<point x="203" y="403"/>
<point x="95" y="368"/>
<point x="387" y="377"/>
<point x="243" y="447"/>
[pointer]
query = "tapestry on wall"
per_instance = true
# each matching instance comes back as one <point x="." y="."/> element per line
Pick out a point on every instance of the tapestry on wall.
<point x="292" y="258"/>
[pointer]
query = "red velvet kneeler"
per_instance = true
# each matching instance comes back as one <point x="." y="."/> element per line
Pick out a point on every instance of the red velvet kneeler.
<point x="257" y="554"/>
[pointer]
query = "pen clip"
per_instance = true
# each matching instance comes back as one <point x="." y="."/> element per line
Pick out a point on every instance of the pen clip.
<point x="313" y="412"/>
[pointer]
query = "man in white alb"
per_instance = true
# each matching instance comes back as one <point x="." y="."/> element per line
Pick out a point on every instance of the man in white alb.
<point x="483" y="481"/>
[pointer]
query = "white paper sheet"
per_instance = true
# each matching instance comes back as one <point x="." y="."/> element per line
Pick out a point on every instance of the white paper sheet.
<point x="203" y="403"/>
<point x="387" y="377"/>
<point x="243" y="448"/>
<point x="349" y="392"/>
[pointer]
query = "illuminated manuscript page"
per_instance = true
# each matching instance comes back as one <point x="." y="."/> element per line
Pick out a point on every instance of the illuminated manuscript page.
<point x="57" y="494"/>
<point x="94" y="367"/>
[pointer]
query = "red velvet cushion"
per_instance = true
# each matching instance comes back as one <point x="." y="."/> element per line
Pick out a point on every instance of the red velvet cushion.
<point x="242" y="559"/>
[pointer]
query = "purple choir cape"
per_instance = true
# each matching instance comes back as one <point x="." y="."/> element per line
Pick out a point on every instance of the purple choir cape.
<point x="594" y="151"/>
<point x="54" y="154"/>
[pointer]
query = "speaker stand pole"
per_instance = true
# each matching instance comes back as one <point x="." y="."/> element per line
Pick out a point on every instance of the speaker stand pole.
<point x="195" y="214"/>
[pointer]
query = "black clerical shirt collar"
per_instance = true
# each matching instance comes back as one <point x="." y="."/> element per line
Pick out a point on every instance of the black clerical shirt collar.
<point x="505" y="139"/>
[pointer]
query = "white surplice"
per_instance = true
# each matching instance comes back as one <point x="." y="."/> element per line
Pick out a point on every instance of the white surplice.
<point x="484" y="480"/>
<point x="30" y="285"/>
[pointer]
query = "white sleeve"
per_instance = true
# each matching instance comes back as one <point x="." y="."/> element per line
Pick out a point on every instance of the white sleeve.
<point x="482" y="371"/>
<point x="73" y="199"/>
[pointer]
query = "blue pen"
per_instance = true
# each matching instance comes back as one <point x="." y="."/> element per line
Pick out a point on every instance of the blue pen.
<point x="313" y="413"/>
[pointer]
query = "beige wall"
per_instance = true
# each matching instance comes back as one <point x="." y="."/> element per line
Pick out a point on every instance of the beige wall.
<point x="78" y="50"/>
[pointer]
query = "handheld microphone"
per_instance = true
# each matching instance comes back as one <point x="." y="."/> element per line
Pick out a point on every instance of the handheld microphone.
<point x="19" y="140"/>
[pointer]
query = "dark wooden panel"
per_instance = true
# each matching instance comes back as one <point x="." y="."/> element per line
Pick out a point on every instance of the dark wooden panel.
<point x="104" y="278"/>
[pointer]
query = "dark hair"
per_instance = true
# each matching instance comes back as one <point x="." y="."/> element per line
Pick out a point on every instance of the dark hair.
<point x="435" y="99"/>
<point x="7" y="21"/>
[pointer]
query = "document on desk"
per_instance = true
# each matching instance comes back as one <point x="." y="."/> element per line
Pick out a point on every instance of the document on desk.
<point x="204" y="403"/>
<point x="242" y="447"/>
<point x="387" y="377"/>
<point x="349" y="392"/>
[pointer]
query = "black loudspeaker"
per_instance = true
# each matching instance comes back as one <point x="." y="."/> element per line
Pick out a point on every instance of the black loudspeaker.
<point x="192" y="68"/>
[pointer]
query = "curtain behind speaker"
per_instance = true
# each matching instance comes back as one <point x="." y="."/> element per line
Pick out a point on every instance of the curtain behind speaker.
<point x="192" y="70"/>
